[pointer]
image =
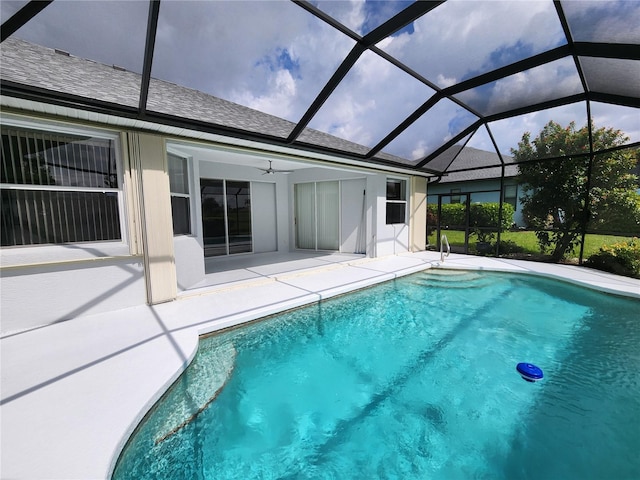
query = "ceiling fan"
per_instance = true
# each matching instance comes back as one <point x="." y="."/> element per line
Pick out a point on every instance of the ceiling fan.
<point x="271" y="170"/>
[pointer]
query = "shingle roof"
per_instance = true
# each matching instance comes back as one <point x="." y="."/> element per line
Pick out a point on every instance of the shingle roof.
<point x="470" y="162"/>
<point x="422" y="99"/>
<point x="43" y="67"/>
<point x="24" y="62"/>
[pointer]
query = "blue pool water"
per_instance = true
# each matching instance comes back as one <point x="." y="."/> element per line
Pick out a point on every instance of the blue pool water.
<point x="411" y="379"/>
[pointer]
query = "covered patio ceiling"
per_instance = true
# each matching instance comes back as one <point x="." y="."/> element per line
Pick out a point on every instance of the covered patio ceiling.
<point x="396" y="83"/>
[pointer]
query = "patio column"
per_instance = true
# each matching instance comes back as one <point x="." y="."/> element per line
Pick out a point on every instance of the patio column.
<point x="418" y="214"/>
<point x="152" y="202"/>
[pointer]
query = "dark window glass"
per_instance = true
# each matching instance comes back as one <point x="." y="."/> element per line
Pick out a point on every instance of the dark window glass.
<point x="181" y="215"/>
<point x="396" y="201"/>
<point x="396" y="190"/>
<point x="180" y="200"/>
<point x="511" y="194"/>
<point x="396" y="212"/>
<point x="213" y="217"/>
<point x="239" y="216"/>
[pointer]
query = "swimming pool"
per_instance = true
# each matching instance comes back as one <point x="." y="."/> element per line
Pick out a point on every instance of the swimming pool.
<point x="414" y="378"/>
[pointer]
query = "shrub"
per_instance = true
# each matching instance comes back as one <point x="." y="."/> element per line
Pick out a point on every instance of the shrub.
<point x="481" y="215"/>
<point x="509" y="246"/>
<point x="488" y="214"/>
<point x="622" y="258"/>
<point x="452" y="214"/>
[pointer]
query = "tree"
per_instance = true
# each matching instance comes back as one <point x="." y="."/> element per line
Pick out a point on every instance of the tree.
<point x="555" y="201"/>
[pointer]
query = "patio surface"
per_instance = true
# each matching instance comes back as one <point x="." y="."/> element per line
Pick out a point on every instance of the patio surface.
<point x="73" y="392"/>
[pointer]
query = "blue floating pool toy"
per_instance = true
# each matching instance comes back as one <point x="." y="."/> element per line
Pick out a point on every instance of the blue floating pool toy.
<point x="529" y="372"/>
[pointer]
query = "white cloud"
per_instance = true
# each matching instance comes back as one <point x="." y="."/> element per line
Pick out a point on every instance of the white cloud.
<point x="444" y="82"/>
<point x="371" y="101"/>
<point x="235" y="50"/>
<point x="458" y="37"/>
<point x="281" y="90"/>
<point x="626" y="119"/>
<point x="547" y="82"/>
<point x="419" y="150"/>
<point x="508" y="132"/>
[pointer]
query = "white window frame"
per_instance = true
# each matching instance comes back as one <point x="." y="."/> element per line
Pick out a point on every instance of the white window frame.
<point x="225" y="181"/>
<point x="401" y="201"/>
<point x="54" y="253"/>
<point x="188" y="196"/>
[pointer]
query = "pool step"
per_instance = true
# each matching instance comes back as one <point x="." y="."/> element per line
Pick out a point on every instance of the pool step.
<point x="451" y="279"/>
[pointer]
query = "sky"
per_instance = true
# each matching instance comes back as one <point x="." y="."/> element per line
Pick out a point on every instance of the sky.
<point x="275" y="57"/>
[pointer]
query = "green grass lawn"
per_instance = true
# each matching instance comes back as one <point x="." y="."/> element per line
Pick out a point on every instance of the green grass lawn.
<point x="527" y="240"/>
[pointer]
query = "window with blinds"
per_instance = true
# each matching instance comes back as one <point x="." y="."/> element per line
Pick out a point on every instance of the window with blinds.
<point x="58" y="188"/>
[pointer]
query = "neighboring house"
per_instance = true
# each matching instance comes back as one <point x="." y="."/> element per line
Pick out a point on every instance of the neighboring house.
<point x="481" y="185"/>
<point x="102" y="212"/>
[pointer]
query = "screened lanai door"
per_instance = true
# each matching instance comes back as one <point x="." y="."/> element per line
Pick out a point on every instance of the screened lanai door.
<point x="317" y="215"/>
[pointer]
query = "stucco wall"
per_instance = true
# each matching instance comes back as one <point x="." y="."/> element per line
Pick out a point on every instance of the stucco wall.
<point x="43" y="294"/>
<point x="189" y="257"/>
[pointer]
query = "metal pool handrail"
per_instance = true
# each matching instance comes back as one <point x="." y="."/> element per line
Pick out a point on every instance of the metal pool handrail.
<point x="444" y="240"/>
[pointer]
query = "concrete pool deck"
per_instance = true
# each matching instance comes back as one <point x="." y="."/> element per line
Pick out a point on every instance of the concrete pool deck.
<point x="73" y="392"/>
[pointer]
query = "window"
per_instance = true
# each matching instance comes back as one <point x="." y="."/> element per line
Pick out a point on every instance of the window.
<point x="511" y="195"/>
<point x="180" y="198"/>
<point x="455" y="195"/>
<point x="58" y="187"/>
<point x="396" y="201"/>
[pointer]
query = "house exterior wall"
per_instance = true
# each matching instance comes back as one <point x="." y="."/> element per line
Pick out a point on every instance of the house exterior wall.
<point x="46" y="284"/>
<point x="38" y="294"/>
<point x="354" y="205"/>
<point x="188" y="249"/>
<point x="265" y="215"/>
<point x="270" y="223"/>
<point x="394" y="238"/>
<point x="151" y="265"/>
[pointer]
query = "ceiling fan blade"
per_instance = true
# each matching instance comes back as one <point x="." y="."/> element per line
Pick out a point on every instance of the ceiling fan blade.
<point x="271" y="170"/>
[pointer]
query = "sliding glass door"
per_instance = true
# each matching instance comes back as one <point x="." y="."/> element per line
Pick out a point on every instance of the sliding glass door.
<point x="226" y="217"/>
<point x="317" y="213"/>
